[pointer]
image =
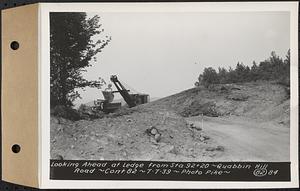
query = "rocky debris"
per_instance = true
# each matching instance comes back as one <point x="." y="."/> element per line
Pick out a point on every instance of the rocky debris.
<point x="154" y="133"/>
<point x="151" y="135"/>
<point x="198" y="128"/>
<point x="235" y="88"/>
<point x="223" y="88"/>
<point x="218" y="148"/>
<point x="124" y="130"/>
<point x="193" y="126"/>
<point x="199" y="108"/>
<point x="204" y="138"/>
<point x="157" y="137"/>
<point x="259" y="100"/>
<point x="237" y="97"/>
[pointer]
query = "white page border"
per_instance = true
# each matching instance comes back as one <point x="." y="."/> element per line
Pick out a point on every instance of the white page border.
<point x="44" y="89"/>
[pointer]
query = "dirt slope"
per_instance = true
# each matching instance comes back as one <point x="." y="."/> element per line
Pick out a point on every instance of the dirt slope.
<point x="252" y="124"/>
<point x="126" y="138"/>
<point x="261" y="101"/>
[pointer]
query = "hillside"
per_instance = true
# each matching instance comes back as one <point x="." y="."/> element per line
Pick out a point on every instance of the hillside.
<point x="261" y="101"/>
<point x="242" y="122"/>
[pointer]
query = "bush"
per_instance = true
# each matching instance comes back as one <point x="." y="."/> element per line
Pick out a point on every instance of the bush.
<point x="65" y="112"/>
<point x="284" y="80"/>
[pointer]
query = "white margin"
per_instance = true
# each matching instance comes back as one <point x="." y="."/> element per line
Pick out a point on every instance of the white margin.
<point x="39" y="97"/>
<point x="44" y="86"/>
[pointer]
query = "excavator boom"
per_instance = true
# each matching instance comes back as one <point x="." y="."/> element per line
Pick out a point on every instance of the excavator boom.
<point x="122" y="90"/>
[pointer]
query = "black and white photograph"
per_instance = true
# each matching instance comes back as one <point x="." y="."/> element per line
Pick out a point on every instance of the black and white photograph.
<point x="170" y="86"/>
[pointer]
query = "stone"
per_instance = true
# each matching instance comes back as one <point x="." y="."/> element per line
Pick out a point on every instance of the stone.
<point x="210" y="149"/>
<point x="206" y="137"/>
<point x="198" y="128"/>
<point x="157" y="137"/>
<point x="220" y="148"/>
<point x="58" y="157"/>
<point x="153" y="131"/>
<point x="201" y="139"/>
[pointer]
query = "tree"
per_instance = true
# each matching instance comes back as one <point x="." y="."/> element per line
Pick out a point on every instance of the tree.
<point x="222" y="75"/>
<point x="241" y="72"/>
<point x="254" y="75"/>
<point x="288" y="57"/>
<point x="210" y="76"/>
<point x="277" y="65"/>
<point x="247" y="74"/>
<point x="231" y="75"/>
<point x="274" y="68"/>
<point x="286" y="64"/>
<point x="285" y="76"/>
<point x="71" y="51"/>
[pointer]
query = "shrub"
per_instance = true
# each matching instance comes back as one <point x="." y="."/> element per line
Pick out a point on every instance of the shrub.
<point x="66" y="112"/>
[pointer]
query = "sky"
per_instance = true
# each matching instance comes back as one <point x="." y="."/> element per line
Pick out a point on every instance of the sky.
<point x="163" y="53"/>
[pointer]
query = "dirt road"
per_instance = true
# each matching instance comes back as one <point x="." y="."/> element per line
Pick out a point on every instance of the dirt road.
<point x="245" y="139"/>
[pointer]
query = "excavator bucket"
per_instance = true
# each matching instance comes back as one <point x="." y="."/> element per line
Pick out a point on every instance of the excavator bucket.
<point x="108" y="96"/>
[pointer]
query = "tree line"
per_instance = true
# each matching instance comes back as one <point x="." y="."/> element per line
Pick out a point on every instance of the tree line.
<point x="274" y="68"/>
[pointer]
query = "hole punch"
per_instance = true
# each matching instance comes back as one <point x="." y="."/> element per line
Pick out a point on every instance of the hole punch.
<point x="16" y="148"/>
<point x="14" y="45"/>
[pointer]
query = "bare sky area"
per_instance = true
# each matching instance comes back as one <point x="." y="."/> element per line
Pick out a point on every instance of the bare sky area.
<point x="164" y="53"/>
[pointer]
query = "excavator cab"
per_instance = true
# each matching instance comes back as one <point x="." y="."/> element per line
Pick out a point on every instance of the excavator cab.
<point x="132" y="100"/>
<point x="108" y="96"/>
<point x="106" y="105"/>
